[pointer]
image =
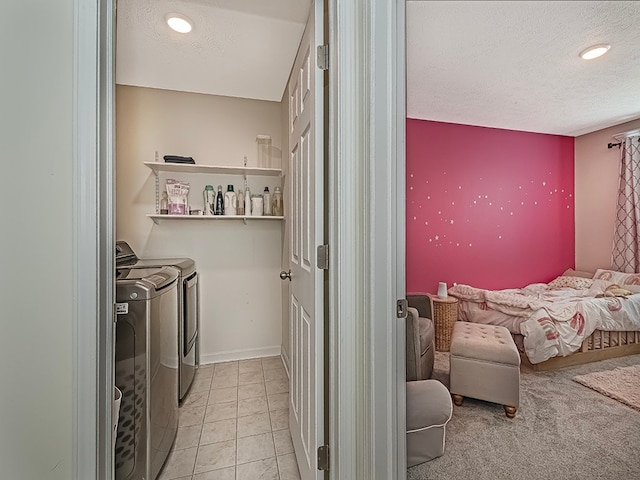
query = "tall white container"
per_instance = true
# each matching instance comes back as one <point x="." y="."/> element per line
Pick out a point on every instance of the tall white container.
<point x="247" y="202"/>
<point x="263" y="143"/>
<point x="230" y="201"/>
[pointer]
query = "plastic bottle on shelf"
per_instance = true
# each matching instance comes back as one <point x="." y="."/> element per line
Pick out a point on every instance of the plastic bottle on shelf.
<point x="257" y="204"/>
<point x="209" y="200"/>
<point x="230" y="201"/>
<point x="219" y="210"/>
<point x="277" y="209"/>
<point x="266" y="199"/>
<point x="247" y="202"/>
<point x="164" y="204"/>
<point x="240" y="202"/>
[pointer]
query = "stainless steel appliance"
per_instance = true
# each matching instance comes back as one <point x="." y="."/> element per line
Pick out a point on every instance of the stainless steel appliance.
<point x="189" y="312"/>
<point x="146" y="370"/>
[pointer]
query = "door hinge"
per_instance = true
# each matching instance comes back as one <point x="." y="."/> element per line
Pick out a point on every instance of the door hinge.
<point x="323" y="457"/>
<point x="322" y="257"/>
<point x="401" y="308"/>
<point x="323" y="57"/>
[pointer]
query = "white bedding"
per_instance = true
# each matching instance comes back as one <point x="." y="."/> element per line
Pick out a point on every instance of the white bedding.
<point x="554" y="322"/>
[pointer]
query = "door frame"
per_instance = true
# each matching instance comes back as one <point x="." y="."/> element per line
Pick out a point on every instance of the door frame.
<point x="366" y="187"/>
<point x="366" y="237"/>
<point x="93" y="237"/>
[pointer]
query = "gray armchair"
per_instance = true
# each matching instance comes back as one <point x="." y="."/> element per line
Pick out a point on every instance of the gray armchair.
<point x="429" y="406"/>
<point x="420" y="338"/>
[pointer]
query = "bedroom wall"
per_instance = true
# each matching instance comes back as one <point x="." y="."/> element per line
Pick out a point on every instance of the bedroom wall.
<point x="240" y="290"/>
<point x="488" y="207"/>
<point x="597" y="173"/>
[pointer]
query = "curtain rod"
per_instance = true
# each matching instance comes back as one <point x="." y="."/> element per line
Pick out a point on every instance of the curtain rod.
<point x="621" y="136"/>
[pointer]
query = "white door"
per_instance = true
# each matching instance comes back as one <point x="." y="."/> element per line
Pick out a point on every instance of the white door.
<point x="306" y="410"/>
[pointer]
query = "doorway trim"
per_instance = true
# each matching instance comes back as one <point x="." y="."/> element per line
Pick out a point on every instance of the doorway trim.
<point x="93" y="240"/>
<point x="366" y="235"/>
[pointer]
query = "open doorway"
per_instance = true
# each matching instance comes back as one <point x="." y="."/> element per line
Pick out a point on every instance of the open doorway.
<point x="209" y="97"/>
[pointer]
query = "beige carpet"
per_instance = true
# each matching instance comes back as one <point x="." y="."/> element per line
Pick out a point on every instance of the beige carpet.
<point x="621" y="384"/>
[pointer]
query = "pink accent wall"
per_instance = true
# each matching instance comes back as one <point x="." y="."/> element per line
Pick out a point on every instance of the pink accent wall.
<point x="487" y="207"/>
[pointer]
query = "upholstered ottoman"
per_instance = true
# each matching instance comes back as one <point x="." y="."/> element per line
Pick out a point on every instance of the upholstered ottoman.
<point x="484" y="364"/>
<point x="429" y="410"/>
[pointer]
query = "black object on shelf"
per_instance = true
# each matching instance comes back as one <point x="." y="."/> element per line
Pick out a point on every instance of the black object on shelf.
<point x="178" y="159"/>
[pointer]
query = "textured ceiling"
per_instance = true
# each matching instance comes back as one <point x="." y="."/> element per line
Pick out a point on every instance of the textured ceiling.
<point x="237" y="48"/>
<point x="501" y="64"/>
<point x="515" y="65"/>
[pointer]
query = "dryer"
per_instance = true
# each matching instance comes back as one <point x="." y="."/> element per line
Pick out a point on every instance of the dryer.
<point x="146" y="370"/>
<point x="189" y="308"/>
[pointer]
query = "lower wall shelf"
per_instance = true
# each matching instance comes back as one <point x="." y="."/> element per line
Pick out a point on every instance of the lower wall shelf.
<point x="157" y="218"/>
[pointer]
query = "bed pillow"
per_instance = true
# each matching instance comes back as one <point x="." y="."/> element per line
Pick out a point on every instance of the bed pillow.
<point x="620" y="278"/>
<point x="570" y="272"/>
<point x="577" y="283"/>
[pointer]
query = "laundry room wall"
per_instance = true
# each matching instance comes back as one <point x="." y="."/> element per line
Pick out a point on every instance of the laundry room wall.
<point x="238" y="263"/>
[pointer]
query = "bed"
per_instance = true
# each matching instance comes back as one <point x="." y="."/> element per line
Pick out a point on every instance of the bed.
<point x="577" y="318"/>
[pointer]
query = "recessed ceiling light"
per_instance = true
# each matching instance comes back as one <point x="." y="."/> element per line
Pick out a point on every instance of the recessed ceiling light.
<point x="179" y="23"/>
<point x="594" y="52"/>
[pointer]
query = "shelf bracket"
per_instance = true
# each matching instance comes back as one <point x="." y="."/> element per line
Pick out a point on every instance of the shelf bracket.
<point x="157" y="183"/>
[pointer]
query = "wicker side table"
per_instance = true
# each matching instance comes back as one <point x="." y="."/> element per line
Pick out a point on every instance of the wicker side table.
<point x="445" y="315"/>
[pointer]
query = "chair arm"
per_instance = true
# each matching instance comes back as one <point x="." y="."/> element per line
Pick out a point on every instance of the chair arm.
<point x="420" y="302"/>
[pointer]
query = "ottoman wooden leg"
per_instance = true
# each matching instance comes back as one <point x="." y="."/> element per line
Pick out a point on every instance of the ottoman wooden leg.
<point x="457" y="399"/>
<point x="509" y="411"/>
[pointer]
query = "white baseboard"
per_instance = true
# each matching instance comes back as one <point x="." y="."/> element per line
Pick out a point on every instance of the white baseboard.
<point x="233" y="355"/>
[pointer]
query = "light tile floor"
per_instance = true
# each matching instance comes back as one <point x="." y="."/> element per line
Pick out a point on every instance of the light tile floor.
<point x="234" y="425"/>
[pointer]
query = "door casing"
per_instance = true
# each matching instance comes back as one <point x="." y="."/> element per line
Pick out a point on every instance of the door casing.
<point x="366" y="165"/>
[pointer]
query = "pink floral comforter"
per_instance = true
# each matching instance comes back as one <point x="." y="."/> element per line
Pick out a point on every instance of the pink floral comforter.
<point x="554" y="322"/>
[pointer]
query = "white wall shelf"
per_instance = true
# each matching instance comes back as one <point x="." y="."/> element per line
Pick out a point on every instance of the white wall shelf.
<point x="159" y="218"/>
<point x="158" y="167"/>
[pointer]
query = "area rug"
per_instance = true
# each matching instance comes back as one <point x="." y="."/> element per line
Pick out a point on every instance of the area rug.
<point x="621" y="384"/>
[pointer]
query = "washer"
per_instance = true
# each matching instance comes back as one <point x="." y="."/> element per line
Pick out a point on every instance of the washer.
<point x="189" y="313"/>
<point x="146" y="370"/>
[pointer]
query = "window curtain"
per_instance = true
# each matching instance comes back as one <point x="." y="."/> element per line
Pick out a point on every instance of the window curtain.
<point x="626" y="239"/>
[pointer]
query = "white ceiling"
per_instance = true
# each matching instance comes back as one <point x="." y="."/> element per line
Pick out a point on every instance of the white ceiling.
<point x="237" y="48"/>
<point x="515" y="65"/>
<point x="501" y="64"/>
